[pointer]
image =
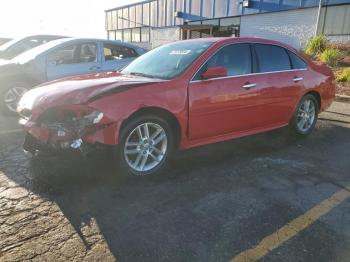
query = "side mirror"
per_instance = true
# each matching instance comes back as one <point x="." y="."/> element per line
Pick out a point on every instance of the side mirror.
<point x="214" y="72"/>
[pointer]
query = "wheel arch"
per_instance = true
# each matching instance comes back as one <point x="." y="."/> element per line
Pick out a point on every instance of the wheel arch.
<point x="160" y="112"/>
<point x="317" y="97"/>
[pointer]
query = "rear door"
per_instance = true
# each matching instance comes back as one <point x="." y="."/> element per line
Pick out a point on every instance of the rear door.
<point x="74" y="59"/>
<point x="115" y="57"/>
<point x="281" y="76"/>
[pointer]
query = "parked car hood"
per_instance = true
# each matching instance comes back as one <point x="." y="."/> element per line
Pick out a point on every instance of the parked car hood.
<point x="6" y="65"/>
<point x="79" y="90"/>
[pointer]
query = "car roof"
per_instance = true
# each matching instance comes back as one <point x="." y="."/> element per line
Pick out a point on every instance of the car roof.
<point x="33" y="53"/>
<point x="105" y="41"/>
<point x="241" y="40"/>
<point x="17" y="40"/>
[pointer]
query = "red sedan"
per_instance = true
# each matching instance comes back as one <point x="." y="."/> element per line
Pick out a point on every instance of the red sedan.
<point x="180" y="95"/>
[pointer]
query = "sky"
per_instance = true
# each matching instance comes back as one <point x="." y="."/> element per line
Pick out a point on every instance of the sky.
<point x="77" y="18"/>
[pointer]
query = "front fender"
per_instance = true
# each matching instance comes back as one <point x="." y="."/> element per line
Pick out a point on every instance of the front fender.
<point x="121" y="106"/>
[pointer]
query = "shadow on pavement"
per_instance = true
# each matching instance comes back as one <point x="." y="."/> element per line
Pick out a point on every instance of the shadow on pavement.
<point x="193" y="211"/>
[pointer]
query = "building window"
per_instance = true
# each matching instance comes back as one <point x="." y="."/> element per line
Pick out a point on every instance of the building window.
<point x="145" y="34"/>
<point x="170" y="13"/>
<point x="207" y="11"/>
<point x="114" y="20"/>
<point x="126" y="18"/>
<point x="161" y="13"/>
<point x="230" y="26"/>
<point x="138" y="15"/>
<point x="111" y="35"/>
<point x="136" y="35"/>
<point x="154" y="14"/>
<point x="221" y="8"/>
<point x="214" y="22"/>
<point x="146" y="13"/>
<point x="127" y="35"/>
<point x="132" y="16"/>
<point x="109" y="20"/>
<point x="120" y="19"/>
<point x="196" y="8"/>
<point x="119" y="35"/>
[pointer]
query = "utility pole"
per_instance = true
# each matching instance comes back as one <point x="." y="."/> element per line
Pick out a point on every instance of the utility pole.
<point x="318" y="16"/>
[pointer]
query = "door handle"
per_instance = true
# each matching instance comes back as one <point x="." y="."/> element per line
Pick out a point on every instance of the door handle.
<point x="249" y="86"/>
<point x="298" y="79"/>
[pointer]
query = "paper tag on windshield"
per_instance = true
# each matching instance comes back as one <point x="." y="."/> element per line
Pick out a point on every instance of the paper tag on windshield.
<point x="180" y="52"/>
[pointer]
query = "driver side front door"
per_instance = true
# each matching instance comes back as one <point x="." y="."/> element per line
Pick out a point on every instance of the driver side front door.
<point x="225" y="105"/>
<point x="76" y="59"/>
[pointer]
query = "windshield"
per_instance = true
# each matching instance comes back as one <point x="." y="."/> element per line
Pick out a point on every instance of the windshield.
<point x="32" y="53"/>
<point x="9" y="44"/>
<point x="168" y="61"/>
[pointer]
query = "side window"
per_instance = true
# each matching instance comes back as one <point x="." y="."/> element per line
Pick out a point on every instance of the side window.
<point x="63" y="56"/>
<point x="236" y="58"/>
<point x="88" y="53"/>
<point x="74" y="54"/>
<point x="297" y="62"/>
<point x="128" y="52"/>
<point x="271" y="58"/>
<point x="115" y="52"/>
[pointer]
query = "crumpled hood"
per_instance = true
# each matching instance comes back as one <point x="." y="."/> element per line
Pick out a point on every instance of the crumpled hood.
<point x="79" y="89"/>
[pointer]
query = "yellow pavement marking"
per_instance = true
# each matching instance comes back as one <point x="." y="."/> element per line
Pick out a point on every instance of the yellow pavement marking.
<point x="291" y="229"/>
<point x="11" y="131"/>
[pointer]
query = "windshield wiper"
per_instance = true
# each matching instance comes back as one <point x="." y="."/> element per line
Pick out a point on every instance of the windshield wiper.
<point x="141" y="74"/>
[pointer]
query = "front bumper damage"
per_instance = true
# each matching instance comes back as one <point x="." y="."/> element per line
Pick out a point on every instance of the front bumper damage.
<point x="76" y="135"/>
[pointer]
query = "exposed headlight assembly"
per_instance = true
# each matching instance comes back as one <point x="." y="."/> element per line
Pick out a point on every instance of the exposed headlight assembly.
<point x="71" y="119"/>
<point x="91" y="119"/>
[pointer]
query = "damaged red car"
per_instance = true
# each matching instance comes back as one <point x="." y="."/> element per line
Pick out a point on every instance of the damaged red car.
<point x="178" y="96"/>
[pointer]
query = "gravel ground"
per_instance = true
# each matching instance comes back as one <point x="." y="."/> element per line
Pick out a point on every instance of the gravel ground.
<point x="211" y="203"/>
<point x="343" y="89"/>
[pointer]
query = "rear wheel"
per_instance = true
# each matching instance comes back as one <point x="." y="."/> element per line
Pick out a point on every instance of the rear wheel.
<point x="11" y="95"/>
<point x="305" y="116"/>
<point x="145" y="145"/>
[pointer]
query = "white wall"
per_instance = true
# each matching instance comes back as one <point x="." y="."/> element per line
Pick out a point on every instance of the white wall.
<point x="339" y="38"/>
<point x="293" y="27"/>
<point x="161" y="36"/>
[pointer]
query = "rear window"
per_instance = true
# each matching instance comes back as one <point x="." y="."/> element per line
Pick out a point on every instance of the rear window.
<point x="116" y="52"/>
<point x="271" y="58"/>
<point x="297" y="62"/>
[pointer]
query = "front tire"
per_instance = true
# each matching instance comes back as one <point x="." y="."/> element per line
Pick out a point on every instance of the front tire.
<point x="10" y="96"/>
<point x="145" y="145"/>
<point x="305" y="116"/>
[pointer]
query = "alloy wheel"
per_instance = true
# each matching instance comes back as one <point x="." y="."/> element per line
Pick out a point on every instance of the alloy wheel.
<point x="145" y="147"/>
<point x="306" y="115"/>
<point x="12" y="97"/>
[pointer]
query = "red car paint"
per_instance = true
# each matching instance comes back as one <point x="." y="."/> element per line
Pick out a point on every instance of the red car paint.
<point x="206" y="111"/>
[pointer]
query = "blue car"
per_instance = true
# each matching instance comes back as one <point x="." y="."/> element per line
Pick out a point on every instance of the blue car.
<point x="58" y="59"/>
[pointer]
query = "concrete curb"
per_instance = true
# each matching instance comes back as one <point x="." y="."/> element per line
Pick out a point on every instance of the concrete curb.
<point x="342" y="98"/>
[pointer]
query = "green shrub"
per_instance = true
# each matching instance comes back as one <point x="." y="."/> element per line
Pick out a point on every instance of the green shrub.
<point x="331" y="56"/>
<point x="316" y="45"/>
<point x="344" y="76"/>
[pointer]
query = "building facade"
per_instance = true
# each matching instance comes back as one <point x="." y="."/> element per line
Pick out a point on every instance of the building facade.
<point x="155" y="22"/>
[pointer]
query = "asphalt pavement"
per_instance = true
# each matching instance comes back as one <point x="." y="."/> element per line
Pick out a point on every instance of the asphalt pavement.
<point x="269" y="197"/>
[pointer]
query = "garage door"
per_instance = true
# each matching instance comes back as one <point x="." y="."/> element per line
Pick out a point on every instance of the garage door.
<point x="293" y="27"/>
